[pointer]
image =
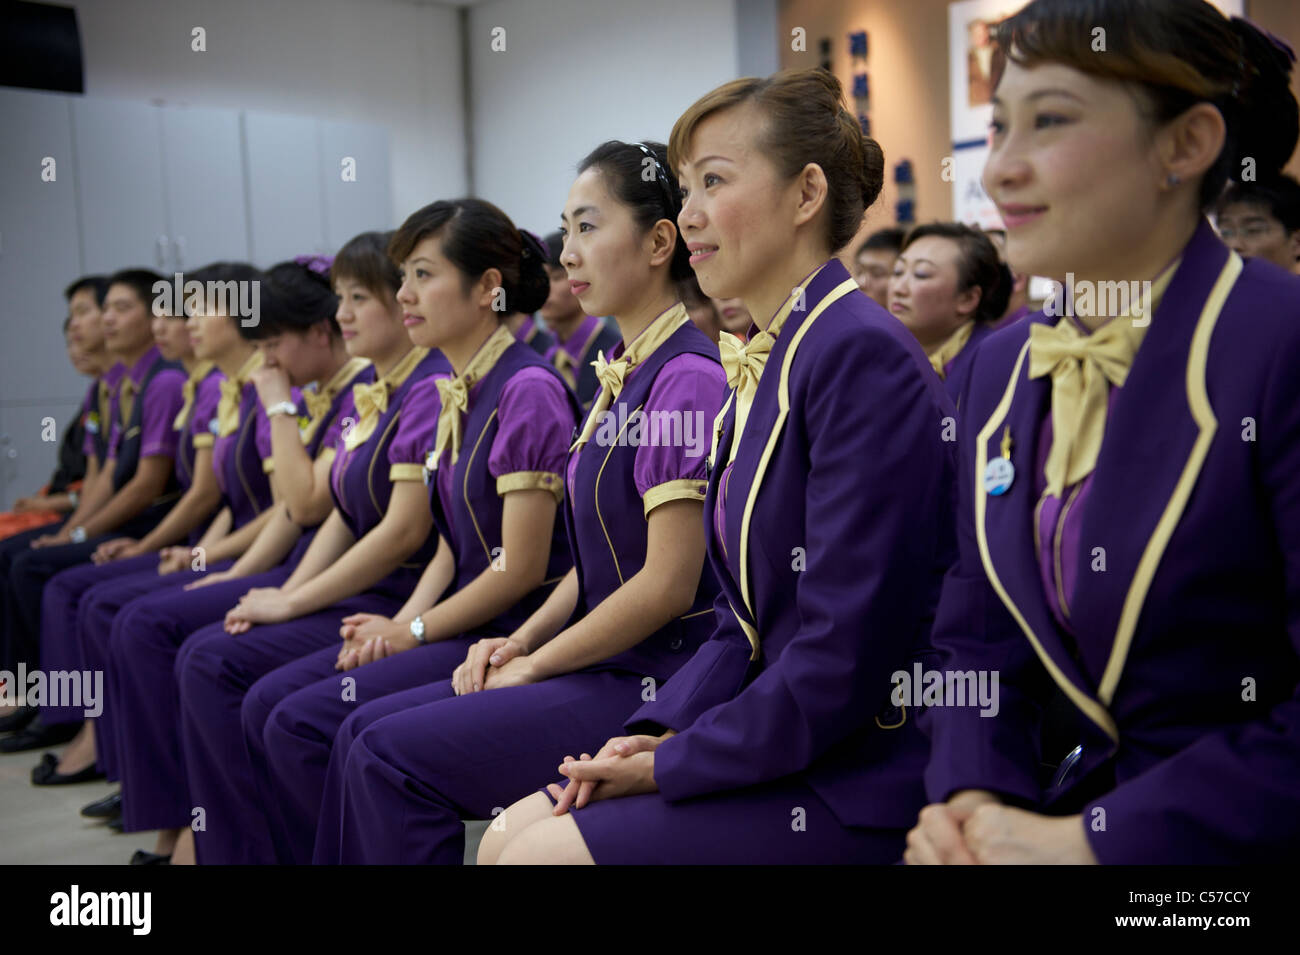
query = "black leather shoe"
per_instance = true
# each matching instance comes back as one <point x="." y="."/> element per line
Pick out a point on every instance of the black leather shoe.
<point x="106" y="808"/>
<point x="46" y="773"/>
<point x="18" y="719"/>
<point x="149" y="858"/>
<point x="38" y="736"/>
<point x="116" y="824"/>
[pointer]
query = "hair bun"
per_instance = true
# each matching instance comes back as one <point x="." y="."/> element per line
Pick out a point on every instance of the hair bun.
<point x="533" y="246"/>
<point x="1269" y="118"/>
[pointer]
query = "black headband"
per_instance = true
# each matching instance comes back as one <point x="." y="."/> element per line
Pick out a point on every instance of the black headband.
<point x="662" y="176"/>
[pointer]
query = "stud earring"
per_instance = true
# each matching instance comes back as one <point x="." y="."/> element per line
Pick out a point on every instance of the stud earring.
<point x="1172" y="180"/>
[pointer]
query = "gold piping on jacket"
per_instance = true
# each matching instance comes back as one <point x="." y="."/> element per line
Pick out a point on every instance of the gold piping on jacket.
<point x="465" y="484"/>
<point x="783" y="409"/>
<point x="596" y="492"/>
<point x="1198" y="400"/>
<point x="239" y="459"/>
<point x="1090" y="707"/>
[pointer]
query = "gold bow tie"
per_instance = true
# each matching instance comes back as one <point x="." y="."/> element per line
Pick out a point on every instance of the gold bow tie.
<point x="612" y="374"/>
<point x="318" y="403"/>
<point x="105" y="396"/>
<point x="453" y="394"/>
<point x="1082" y="368"/>
<point x="319" y="400"/>
<point x="232" y="394"/>
<point x="743" y="361"/>
<point x="372" y="400"/>
<point x="189" y="391"/>
<point x="232" y="391"/>
<point x="126" y="400"/>
<point x="567" y="366"/>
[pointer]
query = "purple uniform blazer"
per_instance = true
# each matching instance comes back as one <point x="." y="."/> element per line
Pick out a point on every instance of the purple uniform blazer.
<point x="839" y="516"/>
<point x="958" y="370"/>
<point x="1185" y="659"/>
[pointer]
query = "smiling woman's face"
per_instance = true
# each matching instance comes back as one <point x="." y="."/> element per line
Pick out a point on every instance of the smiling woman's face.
<point x="1073" y="171"/>
<point x="731" y="195"/>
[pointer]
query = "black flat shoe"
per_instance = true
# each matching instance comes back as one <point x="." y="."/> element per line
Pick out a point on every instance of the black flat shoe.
<point x="18" y="719"/>
<point x="149" y="858"/>
<point x="106" y="808"/>
<point x="116" y="824"/>
<point x="46" y="773"/>
<point x="38" y="736"/>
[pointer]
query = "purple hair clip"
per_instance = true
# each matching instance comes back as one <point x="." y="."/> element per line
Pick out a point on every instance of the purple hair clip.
<point x="320" y="264"/>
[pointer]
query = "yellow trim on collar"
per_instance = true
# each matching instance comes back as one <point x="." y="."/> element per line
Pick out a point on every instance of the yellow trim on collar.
<point x="783" y="409"/>
<point x="1198" y="400"/>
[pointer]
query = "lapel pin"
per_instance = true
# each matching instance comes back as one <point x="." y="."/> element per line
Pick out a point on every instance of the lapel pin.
<point x="1000" y="472"/>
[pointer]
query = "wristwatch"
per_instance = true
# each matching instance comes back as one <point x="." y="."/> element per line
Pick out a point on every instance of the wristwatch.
<point x="417" y="629"/>
<point x="282" y="407"/>
<point x="77" y="535"/>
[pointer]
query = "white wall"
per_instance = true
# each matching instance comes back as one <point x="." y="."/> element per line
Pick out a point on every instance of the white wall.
<point x="575" y="73"/>
<point x="387" y="62"/>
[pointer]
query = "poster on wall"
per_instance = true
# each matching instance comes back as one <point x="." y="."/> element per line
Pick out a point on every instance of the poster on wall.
<point x="970" y="64"/>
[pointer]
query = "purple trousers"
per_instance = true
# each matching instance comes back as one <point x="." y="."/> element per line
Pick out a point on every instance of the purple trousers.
<point x="213" y="674"/>
<point x="61" y="610"/>
<point x="141" y="742"/>
<point x="78" y="606"/>
<point x="410" y="777"/>
<point x="292" y="715"/>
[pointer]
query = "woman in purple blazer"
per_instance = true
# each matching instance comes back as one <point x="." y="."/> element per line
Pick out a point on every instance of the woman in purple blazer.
<point x="1129" y="518"/>
<point x="949" y="288"/>
<point x="490" y="442"/>
<point x="828" y="520"/>
<point x="639" y="599"/>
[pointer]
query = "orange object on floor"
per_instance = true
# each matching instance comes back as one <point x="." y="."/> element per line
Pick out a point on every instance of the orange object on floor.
<point x="11" y="523"/>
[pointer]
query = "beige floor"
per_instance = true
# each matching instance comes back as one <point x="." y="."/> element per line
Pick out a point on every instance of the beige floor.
<point x="42" y="825"/>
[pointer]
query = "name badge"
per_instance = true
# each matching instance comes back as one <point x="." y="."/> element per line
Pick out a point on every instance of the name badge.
<point x="998" y="476"/>
<point x="430" y="465"/>
<point x="214" y="426"/>
<point x="92" y="423"/>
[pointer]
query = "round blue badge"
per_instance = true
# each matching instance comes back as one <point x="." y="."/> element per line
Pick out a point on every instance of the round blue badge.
<point x="998" y="475"/>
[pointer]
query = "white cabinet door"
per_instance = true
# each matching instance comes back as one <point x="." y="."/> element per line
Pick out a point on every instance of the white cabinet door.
<point x="282" y="169"/>
<point x="27" y="455"/>
<point x="120" y="185"/>
<point x="354" y="169"/>
<point x="38" y="258"/>
<point x="204" y="175"/>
